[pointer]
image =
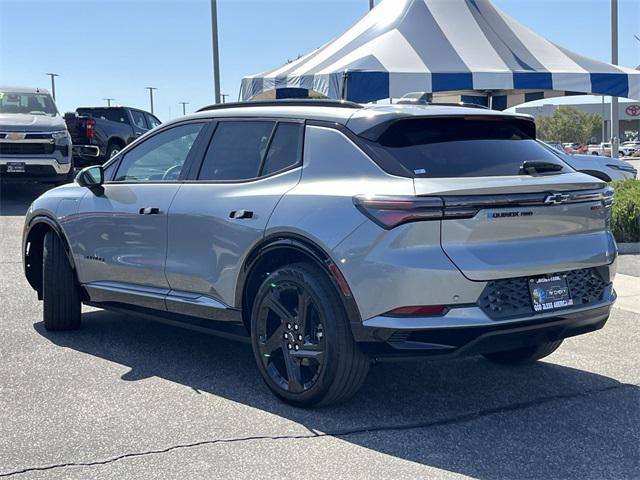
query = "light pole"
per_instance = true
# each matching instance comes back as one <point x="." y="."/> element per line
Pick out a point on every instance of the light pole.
<point x="109" y="100"/>
<point x="184" y="111"/>
<point x="615" y="123"/>
<point x="53" y="83"/>
<point x="151" y="89"/>
<point x="372" y="3"/>
<point x="214" y="44"/>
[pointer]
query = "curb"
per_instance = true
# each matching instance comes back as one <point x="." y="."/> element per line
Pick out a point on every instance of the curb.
<point x="628" y="248"/>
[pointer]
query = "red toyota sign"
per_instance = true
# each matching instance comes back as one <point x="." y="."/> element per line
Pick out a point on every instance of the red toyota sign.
<point x="633" y="110"/>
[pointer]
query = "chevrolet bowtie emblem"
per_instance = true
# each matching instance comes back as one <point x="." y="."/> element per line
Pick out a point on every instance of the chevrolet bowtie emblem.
<point x="556" y="198"/>
<point x="16" y="136"/>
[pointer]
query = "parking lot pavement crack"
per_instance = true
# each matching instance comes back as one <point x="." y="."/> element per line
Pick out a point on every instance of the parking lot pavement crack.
<point x="462" y="418"/>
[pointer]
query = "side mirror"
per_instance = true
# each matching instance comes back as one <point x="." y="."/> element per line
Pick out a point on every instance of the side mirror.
<point x="91" y="177"/>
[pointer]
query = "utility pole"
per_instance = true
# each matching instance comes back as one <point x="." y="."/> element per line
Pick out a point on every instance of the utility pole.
<point x="214" y="44"/>
<point x="615" y="123"/>
<point x="224" y="97"/>
<point x="53" y="84"/>
<point x="184" y="111"/>
<point x="151" y="89"/>
<point x="109" y="100"/>
<point x="372" y="3"/>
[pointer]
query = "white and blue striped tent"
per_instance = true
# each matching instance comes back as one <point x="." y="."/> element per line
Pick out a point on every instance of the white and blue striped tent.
<point x="464" y="46"/>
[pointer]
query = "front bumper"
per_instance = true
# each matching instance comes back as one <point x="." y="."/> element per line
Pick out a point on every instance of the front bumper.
<point x="469" y="331"/>
<point x="38" y="169"/>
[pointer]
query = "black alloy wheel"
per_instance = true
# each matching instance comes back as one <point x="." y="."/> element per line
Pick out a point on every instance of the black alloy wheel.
<point x="301" y="339"/>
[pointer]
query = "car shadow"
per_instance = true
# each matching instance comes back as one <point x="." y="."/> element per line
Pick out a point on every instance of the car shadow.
<point x="15" y="198"/>
<point x="466" y="416"/>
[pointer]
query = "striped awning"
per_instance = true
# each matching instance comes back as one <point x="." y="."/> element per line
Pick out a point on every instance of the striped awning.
<point x="433" y="46"/>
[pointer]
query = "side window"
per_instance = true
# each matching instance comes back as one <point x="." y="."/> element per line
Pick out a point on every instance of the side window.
<point x="236" y="150"/>
<point x="138" y="119"/>
<point x="161" y="157"/>
<point x="284" y="150"/>
<point x="152" y="121"/>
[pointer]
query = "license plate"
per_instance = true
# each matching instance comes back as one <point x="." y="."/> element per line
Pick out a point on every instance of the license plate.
<point x="550" y="293"/>
<point x="15" y="167"/>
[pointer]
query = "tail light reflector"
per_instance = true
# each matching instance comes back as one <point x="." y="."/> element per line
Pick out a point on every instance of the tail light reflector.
<point x="417" y="311"/>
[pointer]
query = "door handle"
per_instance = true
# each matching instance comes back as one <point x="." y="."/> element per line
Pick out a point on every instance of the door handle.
<point x="149" y="211"/>
<point x="238" y="214"/>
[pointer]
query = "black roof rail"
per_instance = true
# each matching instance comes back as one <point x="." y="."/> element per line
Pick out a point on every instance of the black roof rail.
<point x="311" y="102"/>
<point x="437" y="104"/>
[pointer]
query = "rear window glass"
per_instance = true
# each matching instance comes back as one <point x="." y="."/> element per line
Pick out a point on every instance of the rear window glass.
<point x="111" y="114"/>
<point x="462" y="147"/>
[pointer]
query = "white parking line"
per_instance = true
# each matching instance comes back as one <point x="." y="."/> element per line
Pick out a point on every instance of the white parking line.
<point x="628" y="290"/>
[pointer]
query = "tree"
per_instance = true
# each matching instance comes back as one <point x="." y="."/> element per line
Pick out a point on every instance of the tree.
<point x="567" y="124"/>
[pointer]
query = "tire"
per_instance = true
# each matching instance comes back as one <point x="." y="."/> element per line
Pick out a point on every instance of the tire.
<point x="595" y="153"/>
<point x="334" y="368"/>
<point x="60" y="293"/>
<point x="524" y="355"/>
<point x="112" y="150"/>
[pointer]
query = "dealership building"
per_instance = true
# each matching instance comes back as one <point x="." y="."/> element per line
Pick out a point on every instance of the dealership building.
<point x="629" y="115"/>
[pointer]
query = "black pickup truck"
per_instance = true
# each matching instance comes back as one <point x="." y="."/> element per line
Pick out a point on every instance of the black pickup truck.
<point x="99" y="133"/>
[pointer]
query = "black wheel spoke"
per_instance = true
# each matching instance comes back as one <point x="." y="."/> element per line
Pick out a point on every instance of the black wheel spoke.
<point x="273" y="342"/>
<point x="303" y="309"/>
<point x="294" y="373"/>
<point x="279" y="309"/>
<point x="314" y="352"/>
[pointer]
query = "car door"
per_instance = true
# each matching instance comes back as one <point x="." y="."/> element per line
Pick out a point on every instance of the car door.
<point x="119" y="236"/>
<point x="247" y="168"/>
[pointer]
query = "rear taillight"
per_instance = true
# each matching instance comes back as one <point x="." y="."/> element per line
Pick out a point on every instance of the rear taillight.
<point x="89" y="126"/>
<point x="389" y="212"/>
<point x="417" y="311"/>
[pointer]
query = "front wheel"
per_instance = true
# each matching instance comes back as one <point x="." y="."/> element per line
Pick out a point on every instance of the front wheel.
<point x="301" y="338"/>
<point x="525" y="354"/>
<point x="60" y="293"/>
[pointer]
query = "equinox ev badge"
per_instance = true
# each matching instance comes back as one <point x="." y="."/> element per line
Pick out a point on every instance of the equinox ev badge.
<point x="556" y="198"/>
<point x="509" y="214"/>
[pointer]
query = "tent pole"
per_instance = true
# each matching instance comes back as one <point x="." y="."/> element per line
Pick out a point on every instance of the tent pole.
<point x="345" y="85"/>
<point x="615" y="124"/>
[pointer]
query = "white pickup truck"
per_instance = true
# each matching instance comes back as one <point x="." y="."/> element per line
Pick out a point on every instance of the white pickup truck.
<point x="34" y="142"/>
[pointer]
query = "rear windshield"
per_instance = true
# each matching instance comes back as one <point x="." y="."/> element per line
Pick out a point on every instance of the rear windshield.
<point x="462" y="147"/>
<point x="112" y="114"/>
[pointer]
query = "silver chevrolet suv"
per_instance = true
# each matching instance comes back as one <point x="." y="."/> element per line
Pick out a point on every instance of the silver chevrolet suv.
<point x="331" y="234"/>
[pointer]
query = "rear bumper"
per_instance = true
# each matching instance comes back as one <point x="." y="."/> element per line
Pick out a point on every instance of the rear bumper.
<point x="469" y="331"/>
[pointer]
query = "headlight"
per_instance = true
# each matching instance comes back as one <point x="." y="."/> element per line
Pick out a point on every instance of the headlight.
<point x="624" y="168"/>
<point x="61" y="138"/>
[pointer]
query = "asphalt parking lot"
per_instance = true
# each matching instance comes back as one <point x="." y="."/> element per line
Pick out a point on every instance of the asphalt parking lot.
<point x="129" y="398"/>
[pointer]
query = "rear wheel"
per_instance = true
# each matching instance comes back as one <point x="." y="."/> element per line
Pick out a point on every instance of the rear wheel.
<point x="301" y="338"/>
<point x="525" y="354"/>
<point x="112" y="150"/>
<point x="60" y="293"/>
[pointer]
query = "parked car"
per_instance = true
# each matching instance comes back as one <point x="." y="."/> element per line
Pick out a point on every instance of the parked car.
<point x="603" y="149"/>
<point x="605" y="168"/>
<point x="629" y="148"/>
<point x="34" y="142"/>
<point x="99" y="133"/>
<point x="330" y="234"/>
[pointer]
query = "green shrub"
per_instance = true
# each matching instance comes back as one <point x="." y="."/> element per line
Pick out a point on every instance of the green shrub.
<point x="626" y="211"/>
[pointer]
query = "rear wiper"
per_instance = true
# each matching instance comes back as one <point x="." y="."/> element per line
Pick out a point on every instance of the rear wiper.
<point x="533" y="167"/>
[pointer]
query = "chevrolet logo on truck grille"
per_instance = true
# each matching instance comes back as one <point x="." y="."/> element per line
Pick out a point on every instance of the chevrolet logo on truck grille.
<point x="16" y="136"/>
<point x="556" y="198"/>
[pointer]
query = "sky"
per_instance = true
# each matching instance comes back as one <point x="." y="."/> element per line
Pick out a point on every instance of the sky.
<point x="115" y="48"/>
